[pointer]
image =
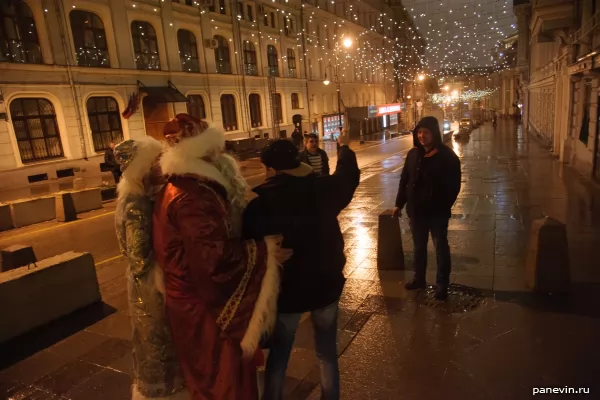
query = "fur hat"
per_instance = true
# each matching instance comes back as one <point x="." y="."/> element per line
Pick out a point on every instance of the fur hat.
<point x="182" y="126"/>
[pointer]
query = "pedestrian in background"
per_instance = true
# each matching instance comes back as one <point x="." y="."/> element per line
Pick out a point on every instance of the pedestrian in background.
<point x="304" y="208"/>
<point x="297" y="138"/>
<point x="111" y="162"/>
<point x="314" y="156"/>
<point x="429" y="186"/>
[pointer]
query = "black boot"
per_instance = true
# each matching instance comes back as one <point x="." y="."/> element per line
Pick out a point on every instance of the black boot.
<point x="441" y="292"/>
<point x="415" y="284"/>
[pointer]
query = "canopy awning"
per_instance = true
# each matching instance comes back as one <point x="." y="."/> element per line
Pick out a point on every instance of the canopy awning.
<point x="163" y="94"/>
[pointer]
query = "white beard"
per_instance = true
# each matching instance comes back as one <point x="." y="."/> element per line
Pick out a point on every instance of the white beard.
<point x="229" y="168"/>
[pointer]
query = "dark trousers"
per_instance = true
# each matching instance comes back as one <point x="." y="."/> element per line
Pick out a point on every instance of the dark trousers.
<point x="117" y="176"/>
<point x="420" y="228"/>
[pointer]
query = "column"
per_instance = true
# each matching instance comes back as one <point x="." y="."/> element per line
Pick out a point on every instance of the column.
<point x="523" y="13"/>
<point x="170" y="37"/>
<point x="122" y="32"/>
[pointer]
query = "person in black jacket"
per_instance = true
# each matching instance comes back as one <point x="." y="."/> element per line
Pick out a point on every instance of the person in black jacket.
<point x="429" y="186"/>
<point x="111" y="162"/>
<point x="296" y="203"/>
<point x="314" y="156"/>
<point x="297" y="138"/>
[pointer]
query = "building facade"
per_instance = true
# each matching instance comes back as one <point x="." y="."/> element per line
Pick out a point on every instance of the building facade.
<point x="561" y="77"/>
<point x="77" y="75"/>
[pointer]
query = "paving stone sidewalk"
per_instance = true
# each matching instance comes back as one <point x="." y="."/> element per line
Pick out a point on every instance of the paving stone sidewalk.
<point x="491" y="340"/>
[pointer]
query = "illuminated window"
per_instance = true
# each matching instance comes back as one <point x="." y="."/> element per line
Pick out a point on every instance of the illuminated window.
<point x="89" y="37"/>
<point x="105" y="122"/>
<point x="188" y="51"/>
<point x="145" y="45"/>
<point x="18" y="35"/>
<point x="36" y="130"/>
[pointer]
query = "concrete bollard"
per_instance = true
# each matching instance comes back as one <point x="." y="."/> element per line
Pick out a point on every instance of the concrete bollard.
<point x="32" y="211"/>
<point x="547" y="268"/>
<point x="69" y="204"/>
<point x="6" y="221"/>
<point x="17" y="256"/>
<point x="390" y="254"/>
<point x="65" y="208"/>
<point x="58" y="286"/>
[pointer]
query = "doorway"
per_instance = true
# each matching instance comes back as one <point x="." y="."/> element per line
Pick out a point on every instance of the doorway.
<point x="297" y="120"/>
<point x="156" y="116"/>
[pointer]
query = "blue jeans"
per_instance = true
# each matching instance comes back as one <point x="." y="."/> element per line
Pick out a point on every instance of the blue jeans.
<point x="420" y="228"/>
<point x="325" y="324"/>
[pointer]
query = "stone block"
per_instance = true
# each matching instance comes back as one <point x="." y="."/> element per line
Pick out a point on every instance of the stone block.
<point x="69" y="204"/>
<point x="547" y="268"/>
<point x="6" y="221"/>
<point x="32" y="211"/>
<point x="390" y="254"/>
<point x="17" y="256"/>
<point x="56" y="287"/>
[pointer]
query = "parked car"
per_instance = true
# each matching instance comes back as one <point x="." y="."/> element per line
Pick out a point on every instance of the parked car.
<point x="466" y="123"/>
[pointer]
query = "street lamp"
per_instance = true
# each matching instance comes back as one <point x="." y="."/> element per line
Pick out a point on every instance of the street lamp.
<point x="421" y="77"/>
<point x="347" y="43"/>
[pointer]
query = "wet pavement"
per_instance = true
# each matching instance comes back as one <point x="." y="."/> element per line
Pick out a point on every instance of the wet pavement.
<point x="491" y="340"/>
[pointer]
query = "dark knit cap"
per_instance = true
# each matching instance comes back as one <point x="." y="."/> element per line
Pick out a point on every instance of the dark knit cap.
<point x="280" y="155"/>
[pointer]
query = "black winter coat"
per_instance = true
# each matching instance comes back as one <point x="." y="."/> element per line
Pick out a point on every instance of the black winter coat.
<point x="430" y="182"/>
<point x="304" y="210"/>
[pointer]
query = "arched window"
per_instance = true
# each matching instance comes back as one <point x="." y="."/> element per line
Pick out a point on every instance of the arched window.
<point x="145" y="45"/>
<point x="228" y="112"/>
<point x="222" y="56"/>
<point x="91" y="48"/>
<point x="250" y="58"/>
<point x="295" y="101"/>
<point x="18" y="35"/>
<point x="277" y="107"/>
<point x="36" y="129"/>
<point x="291" y="60"/>
<point x="188" y="51"/>
<point x="272" y="60"/>
<point x="195" y="106"/>
<point x="105" y="122"/>
<point x="255" y="113"/>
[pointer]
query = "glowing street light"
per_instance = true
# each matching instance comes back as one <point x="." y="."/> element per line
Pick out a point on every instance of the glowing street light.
<point x="347" y="43"/>
<point x="326" y="81"/>
<point x="446" y="88"/>
<point x="421" y="77"/>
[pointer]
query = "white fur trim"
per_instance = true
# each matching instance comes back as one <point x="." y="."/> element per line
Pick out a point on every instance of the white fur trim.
<point x="265" y="310"/>
<point x="183" y="394"/>
<point x="185" y="157"/>
<point x="148" y="149"/>
<point x="159" y="279"/>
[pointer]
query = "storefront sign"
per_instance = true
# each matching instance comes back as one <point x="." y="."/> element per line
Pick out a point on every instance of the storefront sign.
<point x="387" y="109"/>
<point x="331" y="126"/>
<point x="393" y="119"/>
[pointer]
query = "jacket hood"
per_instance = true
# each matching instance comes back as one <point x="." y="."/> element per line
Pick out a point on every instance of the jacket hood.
<point x="433" y="125"/>
<point x="147" y="150"/>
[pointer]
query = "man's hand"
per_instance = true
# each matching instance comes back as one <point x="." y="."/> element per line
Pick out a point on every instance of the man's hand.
<point x="274" y="245"/>
<point x="397" y="212"/>
<point x="343" y="140"/>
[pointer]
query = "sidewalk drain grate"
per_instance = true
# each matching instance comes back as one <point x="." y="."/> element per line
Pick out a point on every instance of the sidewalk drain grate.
<point x="461" y="299"/>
